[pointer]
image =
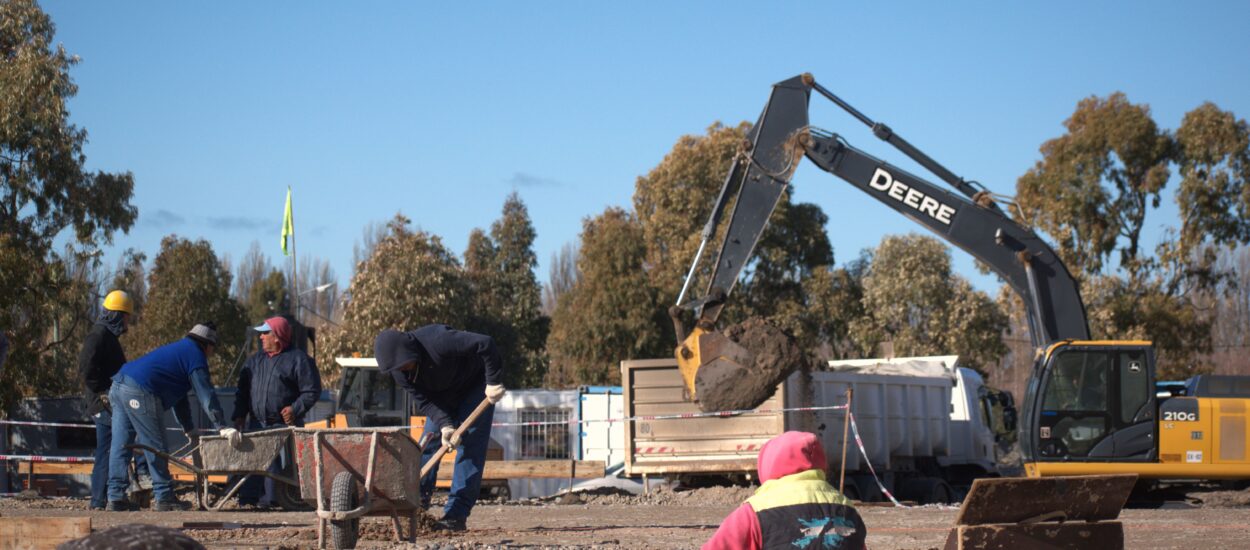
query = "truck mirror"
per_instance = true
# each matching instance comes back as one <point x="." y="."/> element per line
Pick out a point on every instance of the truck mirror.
<point x="1009" y="419"/>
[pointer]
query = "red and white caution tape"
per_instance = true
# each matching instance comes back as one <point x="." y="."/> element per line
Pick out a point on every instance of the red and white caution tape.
<point x="68" y="425"/>
<point x="864" y="452"/>
<point x="647" y="418"/>
<point x="46" y="424"/>
<point x="41" y="458"/>
<point x="570" y="422"/>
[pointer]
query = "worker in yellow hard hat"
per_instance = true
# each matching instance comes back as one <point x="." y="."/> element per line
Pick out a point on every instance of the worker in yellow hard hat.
<point x="101" y="357"/>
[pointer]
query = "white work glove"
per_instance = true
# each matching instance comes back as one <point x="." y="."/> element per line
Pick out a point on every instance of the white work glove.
<point x="232" y="435"/>
<point x="494" y="393"/>
<point x="450" y="439"/>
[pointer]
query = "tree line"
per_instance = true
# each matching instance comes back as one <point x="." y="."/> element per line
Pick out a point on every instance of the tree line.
<point x="1091" y="194"/>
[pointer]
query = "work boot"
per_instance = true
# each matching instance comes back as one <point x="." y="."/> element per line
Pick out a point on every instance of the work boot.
<point x="169" y="506"/>
<point x="450" y="524"/>
<point x="119" y="506"/>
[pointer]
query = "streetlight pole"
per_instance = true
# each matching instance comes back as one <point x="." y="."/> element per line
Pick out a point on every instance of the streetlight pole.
<point x="317" y="289"/>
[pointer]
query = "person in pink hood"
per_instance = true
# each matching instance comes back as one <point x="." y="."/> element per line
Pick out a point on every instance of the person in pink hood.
<point x="795" y="508"/>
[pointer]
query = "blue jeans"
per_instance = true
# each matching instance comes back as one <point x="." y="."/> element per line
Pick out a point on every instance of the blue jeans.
<point x="466" y="481"/>
<point x="259" y="489"/>
<point x="137" y="415"/>
<point x="100" y="469"/>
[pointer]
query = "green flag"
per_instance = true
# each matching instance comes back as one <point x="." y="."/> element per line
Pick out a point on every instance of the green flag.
<point x="288" y="224"/>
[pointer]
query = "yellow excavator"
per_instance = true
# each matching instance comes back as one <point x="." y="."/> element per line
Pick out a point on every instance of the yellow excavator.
<point x="1091" y="406"/>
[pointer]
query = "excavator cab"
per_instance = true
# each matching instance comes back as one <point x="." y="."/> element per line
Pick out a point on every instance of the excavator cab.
<point x="1092" y="400"/>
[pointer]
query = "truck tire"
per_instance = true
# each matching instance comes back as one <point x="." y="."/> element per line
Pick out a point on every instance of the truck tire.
<point x="927" y="490"/>
<point x="851" y="491"/>
<point x="343" y="498"/>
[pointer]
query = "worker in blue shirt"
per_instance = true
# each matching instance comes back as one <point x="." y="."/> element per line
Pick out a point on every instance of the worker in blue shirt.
<point x="447" y="372"/>
<point x="277" y="386"/>
<point x="142" y="391"/>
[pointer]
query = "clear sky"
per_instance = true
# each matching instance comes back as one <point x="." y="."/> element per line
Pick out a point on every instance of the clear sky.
<point x="439" y="110"/>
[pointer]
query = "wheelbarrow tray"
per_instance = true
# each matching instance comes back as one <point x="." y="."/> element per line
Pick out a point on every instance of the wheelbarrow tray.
<point x="253" y="456"/>
<point x="390" y="471"/>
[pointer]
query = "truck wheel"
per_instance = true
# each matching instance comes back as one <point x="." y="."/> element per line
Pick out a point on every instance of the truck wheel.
<point x="343" y="498"/>
<point x="850" y="490"/>
<point x="927" y="490"/>
<point x="940" y="493"/>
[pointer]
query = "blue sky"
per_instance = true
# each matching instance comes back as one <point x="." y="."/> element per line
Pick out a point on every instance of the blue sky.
<point x="440" y="110"/>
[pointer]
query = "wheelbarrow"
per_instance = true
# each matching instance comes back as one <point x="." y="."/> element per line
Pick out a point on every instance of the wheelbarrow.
<point x="356" y="472"/>
<point x="216" y="457"/>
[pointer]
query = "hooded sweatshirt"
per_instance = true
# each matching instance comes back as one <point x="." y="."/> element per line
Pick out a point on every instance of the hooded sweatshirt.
<point x="794" y="508"/>
<point x="450" y="365"/>
<point x="101" y="357"/>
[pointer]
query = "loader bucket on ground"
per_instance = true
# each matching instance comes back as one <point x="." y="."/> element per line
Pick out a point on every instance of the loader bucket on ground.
<point x="1052" y="512"/>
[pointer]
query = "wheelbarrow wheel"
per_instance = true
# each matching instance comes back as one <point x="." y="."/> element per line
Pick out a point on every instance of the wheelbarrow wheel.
<point x="288" y="498"/>
<point x="342" y="499"/>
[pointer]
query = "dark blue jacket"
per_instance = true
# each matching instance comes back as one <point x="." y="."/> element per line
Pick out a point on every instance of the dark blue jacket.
<point x="268" y="384"/>
<point x="450" y="364"/>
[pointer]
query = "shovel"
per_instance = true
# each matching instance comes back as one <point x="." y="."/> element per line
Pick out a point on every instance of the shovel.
<point x="442" y="449"/>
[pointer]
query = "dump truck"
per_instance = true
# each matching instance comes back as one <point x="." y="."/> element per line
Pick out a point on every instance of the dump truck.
<point x="929" y="426"/>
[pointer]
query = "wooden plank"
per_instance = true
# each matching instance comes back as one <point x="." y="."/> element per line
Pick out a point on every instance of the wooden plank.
<point x="1105" y="535"/>
<point x="1012" y="500"/>
<point x="41" y="533"/>
<point x="508" y="469"/>
<point x="61" y="468"/>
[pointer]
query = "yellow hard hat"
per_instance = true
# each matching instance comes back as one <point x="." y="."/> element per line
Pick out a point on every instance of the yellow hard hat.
<point x="118" y="300"/>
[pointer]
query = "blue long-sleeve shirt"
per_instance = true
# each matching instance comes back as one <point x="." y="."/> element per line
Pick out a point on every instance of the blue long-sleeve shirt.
<point x="172" y="370"/>
<point x="450" y="364"/>
<point x="268" y="384"/>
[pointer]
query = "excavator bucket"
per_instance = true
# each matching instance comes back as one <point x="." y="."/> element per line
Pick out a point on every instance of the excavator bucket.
<point x="739" y="368"/>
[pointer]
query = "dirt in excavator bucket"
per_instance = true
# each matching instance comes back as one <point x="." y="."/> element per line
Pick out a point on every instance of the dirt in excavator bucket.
<point x="771" y="355"/>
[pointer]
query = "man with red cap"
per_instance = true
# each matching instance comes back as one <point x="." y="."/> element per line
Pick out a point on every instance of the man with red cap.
<point x="795" y="507"/>
<point x="277" y="386"/>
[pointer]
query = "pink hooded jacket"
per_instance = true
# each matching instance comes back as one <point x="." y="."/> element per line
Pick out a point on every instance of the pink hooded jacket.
<point x="794" y="507"/>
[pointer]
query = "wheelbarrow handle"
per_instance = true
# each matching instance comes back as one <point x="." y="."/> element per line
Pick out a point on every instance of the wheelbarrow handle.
<point x="464" y="426"/>
<point x="171" y="458"/>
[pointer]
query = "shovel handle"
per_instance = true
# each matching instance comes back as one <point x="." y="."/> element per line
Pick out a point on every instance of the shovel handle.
<point x="464" y="426"/>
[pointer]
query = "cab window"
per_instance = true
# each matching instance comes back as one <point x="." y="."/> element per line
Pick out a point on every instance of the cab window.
<point x="1078" y="382"/>
<point x="1076" y="414"/>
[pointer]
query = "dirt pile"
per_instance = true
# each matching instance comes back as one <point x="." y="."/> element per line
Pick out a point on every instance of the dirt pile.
<point x="770" y="355"/>
<point x="1221" y="499"/>
<point x="661" y="496"/>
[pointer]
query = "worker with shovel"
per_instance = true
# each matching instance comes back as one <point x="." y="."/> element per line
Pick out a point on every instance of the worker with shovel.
<point x="449" y="373"/>
<point x="277" y="386"/>
<point x="142" y="391"/>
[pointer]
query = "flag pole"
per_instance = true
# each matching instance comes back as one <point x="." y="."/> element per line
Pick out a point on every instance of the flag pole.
<point x="294" y="259"/>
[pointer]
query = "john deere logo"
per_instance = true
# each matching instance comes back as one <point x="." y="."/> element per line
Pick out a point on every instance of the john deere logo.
<point x="901" y="192"/>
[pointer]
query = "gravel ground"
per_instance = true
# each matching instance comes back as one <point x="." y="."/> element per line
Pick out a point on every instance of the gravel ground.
<point x="662" y="520"/>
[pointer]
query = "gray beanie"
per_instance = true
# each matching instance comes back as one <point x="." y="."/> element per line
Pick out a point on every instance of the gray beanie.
<point x="205" y="333"/>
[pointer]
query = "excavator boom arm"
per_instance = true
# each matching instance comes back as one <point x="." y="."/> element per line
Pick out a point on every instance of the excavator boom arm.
<point x="979" y="227"/>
